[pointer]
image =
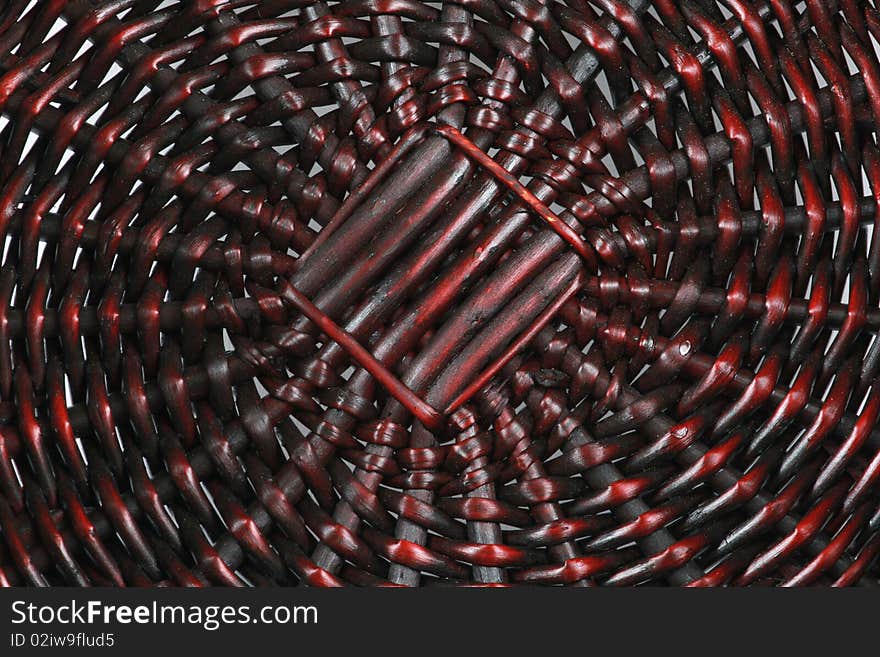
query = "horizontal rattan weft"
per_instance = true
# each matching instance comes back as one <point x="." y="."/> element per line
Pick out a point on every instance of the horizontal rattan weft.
<point x="392" y="292"/>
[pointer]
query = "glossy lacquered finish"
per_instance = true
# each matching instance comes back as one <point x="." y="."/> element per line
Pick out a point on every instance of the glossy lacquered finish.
<point x="396" y="293"/>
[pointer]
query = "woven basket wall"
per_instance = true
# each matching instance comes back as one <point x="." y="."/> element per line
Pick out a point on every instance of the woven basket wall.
<point x="423" y="293"/>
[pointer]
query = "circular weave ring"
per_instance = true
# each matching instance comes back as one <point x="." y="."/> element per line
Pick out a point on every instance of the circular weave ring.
<point x="394" y="292"/>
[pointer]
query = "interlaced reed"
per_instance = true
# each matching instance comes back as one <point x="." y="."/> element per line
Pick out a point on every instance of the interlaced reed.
<point x="439" y="293"/>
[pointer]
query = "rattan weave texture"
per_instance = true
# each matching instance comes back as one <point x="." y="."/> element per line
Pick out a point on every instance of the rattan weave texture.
<point x="439" y="293"/>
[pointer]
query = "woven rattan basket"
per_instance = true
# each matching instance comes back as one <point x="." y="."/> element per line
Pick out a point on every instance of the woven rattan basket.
<point x="481" y="292"/>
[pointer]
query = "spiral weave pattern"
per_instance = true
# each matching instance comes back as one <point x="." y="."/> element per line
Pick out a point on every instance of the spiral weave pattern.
<point x="393" y="292"/>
